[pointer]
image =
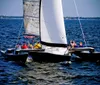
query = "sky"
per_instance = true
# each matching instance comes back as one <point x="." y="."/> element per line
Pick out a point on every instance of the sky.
<point x="85" y="8"/>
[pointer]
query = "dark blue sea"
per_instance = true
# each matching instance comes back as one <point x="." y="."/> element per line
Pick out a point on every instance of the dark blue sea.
<point x="78" y="73"/>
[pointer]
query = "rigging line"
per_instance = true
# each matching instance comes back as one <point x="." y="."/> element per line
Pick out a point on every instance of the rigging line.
<point x="80" y="22"/>
<point x="19" y="33"/>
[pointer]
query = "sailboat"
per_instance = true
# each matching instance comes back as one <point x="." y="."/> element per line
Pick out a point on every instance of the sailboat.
<point x="44" y="18"/>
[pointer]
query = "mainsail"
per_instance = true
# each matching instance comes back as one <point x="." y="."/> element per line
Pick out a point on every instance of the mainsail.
<point x="52" y="23"/>
<point x="53" y="34"/>
<point x="31" y="16"/>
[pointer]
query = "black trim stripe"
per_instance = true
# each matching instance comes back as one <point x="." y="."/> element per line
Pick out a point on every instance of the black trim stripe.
<point x="54" y="44"/>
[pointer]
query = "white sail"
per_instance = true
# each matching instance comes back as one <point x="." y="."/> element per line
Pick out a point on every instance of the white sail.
<point x="52" y="22"/>
<point x="31" y="16"/>
<point x="52" y="27"/>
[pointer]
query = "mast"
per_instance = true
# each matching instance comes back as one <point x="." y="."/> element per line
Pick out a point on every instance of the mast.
<point x="40" y="1"/>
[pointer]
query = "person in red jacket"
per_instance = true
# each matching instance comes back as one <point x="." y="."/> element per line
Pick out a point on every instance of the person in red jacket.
<point x="24" y="46"/>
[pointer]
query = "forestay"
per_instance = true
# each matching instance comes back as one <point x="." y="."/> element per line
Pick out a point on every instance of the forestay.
<point x="31" y="16"/>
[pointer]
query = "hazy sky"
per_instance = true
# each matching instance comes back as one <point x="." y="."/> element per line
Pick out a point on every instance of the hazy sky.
<point x="86" y="8"/>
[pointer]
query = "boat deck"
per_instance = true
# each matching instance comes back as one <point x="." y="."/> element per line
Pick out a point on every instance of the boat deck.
<point x="81" y="49"/>
<point x="30" y="50"/>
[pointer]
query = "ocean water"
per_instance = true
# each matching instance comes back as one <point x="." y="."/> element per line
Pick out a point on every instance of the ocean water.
<point x="78" y="73"/>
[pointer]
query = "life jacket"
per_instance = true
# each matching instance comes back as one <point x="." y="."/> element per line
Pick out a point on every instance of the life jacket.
<point x="24" y="46"/>
<point x="37" y="45"/>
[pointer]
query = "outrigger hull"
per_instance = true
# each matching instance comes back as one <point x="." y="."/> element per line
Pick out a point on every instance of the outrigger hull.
<point x="15" y="57"/>
<point x="85" y="53"/>
<point x="42" y="56"/>
<point x="88" y="56"/>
